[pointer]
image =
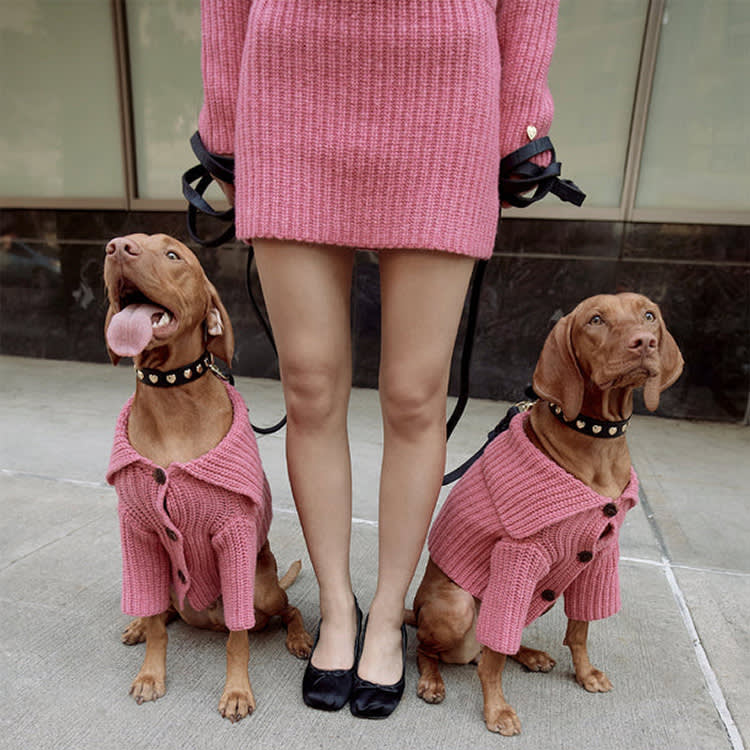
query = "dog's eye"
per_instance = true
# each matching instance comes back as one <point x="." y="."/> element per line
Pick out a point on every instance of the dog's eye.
<point x="172" y="255"/>
<point x="650" y="317"/>
<point x="596" y="320"/>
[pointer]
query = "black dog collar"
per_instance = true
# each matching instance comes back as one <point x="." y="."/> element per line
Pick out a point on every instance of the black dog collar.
<point x="592" y="427"/>
<point x="178" y="376"/>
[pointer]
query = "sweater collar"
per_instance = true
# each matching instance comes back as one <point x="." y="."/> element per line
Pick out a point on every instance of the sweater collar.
<point x="529" y="490"/>
<point x="234" y="464"/>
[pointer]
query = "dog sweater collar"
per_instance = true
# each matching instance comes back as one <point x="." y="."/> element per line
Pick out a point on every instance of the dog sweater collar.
<point x="590" y="426"/>
<point x="529" y="490"/>
<point x="178" y="376"/>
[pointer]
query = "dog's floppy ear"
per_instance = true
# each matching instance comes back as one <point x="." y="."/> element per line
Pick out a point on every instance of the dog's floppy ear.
<point x="219" y="333"/>
<point x="557" y="377"/>
<point x="671" y="364"/>
<point x="114" y="358"/>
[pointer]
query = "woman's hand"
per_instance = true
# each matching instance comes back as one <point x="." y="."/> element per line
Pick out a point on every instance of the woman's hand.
<point x="227" y="189"/>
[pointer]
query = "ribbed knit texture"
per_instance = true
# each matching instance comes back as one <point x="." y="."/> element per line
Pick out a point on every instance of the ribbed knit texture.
<point x="517" y="531"/>
<point x="200" y="530"/>
<point x="374" y="123"/>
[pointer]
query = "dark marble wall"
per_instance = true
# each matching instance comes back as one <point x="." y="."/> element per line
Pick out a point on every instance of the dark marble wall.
<point x="52" y="301"/>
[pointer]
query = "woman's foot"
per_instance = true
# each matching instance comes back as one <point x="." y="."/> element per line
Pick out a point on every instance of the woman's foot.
<point x="371" y="699"/>
<point x="381" y="659"/>
<point x="329" y="688"/>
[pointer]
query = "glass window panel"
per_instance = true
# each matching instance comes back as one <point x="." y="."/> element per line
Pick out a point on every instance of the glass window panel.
<point x="59" y="130"/>
<point x="593" y="78"/>
<point x="697" y="148"/>
<point x="165" y="47"/>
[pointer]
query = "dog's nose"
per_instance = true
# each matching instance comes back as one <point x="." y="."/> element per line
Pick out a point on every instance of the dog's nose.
<point x="124" y="246"/>
<point x="643" y="341"/>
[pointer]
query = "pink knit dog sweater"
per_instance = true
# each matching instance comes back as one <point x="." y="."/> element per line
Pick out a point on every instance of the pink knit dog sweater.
<point x="374" y="123"/>
<point x="195" y="526"/>
<point x="517" y="531"/>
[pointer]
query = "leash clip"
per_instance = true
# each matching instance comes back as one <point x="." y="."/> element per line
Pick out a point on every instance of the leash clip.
<point x="216" y="370"/>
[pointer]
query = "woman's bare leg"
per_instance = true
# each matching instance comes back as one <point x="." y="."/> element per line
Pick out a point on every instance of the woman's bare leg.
<point x="422" y="297"/>
<point x="307" y="293"/>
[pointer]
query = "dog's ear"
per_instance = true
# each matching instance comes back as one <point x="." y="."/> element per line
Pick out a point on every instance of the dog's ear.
<point x="557" y="376"/>
<point x="218" y="327"/>
<point x="671" y="364"/>
<point x="114" y="358"/>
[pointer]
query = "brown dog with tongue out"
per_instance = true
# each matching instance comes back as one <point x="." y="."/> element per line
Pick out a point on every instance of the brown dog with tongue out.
<point x="194" y="504"/>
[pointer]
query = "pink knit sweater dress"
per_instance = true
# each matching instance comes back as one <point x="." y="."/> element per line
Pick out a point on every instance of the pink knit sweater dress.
<point x="374" y="123"/>
<point x="196" y="527"/>
<point x="518" y="531"/>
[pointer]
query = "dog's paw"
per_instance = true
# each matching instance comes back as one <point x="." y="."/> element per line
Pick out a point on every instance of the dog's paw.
<point x="534" y="660"/>
<point x="299" y="644"/>
<point x="502" y="720"/>
<point x="134" y="633"/>
<point x="147" y="687"/>
<point x="431" y="690"/>
<point x="594" y="681"/>
<point x="236" y="704"/>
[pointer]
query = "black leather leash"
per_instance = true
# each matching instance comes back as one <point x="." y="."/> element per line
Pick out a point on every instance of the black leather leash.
<point x="501" y="426"/>
<point x="210" y="167"/>
<point x="518" y="174"/>
<point x="269" y="335"/>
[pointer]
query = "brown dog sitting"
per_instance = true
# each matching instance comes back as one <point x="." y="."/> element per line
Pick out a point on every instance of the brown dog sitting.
<point x="194" y="503"/>
<point x="539" y="513"/>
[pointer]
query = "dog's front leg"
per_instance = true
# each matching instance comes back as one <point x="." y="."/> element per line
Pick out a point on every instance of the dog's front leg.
<point x="135" y="632"/>
<point x="499" y="715"/>
<point x="150" y="682"/>
<point x="587" y="676"/>
<point x="237" y="700"/>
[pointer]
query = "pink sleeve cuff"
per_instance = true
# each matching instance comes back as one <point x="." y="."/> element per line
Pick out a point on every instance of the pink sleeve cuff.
<point x="236" y="551"/>
<point x="527" y="31"/>
<point x="595" y="594"/>
<point x="145" y="572"/>
<point x="515" y="569"/>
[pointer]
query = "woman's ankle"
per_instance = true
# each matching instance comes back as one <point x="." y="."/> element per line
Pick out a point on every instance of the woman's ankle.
<point x="337" y="606"/>
<point x="337" y="635"/>
<point x="387" y="612"/>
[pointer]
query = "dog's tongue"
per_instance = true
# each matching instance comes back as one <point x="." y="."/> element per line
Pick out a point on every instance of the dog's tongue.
<point x="130" y="331"/>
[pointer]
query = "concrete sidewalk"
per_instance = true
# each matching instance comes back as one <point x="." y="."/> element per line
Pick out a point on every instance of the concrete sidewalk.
<point x="677" y="653"/>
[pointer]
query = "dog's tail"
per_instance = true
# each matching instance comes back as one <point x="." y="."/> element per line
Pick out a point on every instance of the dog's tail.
<point x="291" y="575"/>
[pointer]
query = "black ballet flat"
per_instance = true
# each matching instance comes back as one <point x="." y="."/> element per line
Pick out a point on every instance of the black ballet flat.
<point x="371" y="700"/>
<point x="329" y="689"/>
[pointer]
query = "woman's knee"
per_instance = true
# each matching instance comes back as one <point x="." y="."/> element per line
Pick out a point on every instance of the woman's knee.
<point x="412" y="403"/>
<point x="315" y="393"/>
